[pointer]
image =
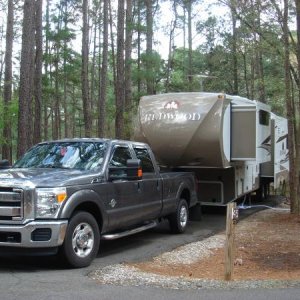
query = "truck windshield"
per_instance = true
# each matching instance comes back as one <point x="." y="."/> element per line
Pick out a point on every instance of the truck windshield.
<point x="69" y="155"/>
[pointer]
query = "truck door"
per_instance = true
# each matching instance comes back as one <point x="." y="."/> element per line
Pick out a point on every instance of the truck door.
<point x="151" y="185"/>
<point x="123" y="196"/>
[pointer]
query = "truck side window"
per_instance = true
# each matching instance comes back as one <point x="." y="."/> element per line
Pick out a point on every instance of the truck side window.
<point x="120" y="156"/>
<point x="143" y="155"/>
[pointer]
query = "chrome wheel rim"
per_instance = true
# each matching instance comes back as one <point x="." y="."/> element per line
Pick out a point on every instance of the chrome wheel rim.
<point x="183" y="217"/>
<point x="83" y="240"/>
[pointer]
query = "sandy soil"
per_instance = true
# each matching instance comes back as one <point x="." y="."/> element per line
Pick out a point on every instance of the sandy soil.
<point x="267" y="246"/>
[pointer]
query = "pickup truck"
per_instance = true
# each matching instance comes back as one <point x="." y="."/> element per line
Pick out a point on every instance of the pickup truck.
<point x="62" y="197"/>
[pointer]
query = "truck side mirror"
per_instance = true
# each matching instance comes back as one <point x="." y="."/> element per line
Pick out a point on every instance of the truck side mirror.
<point x="134" y="169"/>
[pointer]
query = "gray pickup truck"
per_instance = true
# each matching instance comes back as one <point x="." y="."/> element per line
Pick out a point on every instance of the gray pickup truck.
<point x="64" y="196"/>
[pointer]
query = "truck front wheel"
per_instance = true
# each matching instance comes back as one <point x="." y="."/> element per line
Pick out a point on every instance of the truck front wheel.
<point x="179" y="219"/>
<point x="82" y="240"/>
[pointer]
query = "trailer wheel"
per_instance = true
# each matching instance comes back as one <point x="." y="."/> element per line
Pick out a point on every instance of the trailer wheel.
<point x="82" y="240"/>
<point x="178" y="220"/>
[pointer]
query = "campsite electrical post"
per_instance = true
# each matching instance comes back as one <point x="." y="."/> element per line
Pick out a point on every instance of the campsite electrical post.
<point x="231" y="220"/>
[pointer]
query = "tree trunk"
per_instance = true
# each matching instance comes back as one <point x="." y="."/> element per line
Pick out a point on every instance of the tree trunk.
<point x="234" y="49"/>
<point x="65" y="98"/>
<point x="252" y="76"/>
<point x="38" y="71"/>
<point x="261" y="79"/>
<point x="190" y="45"/>
<point x="297" y="134"/>
<point x="93" y="69"/>
<point x="289" y="108"/>
<point x="46" y="70"/>
<point x="56" y="104"/>
<point x="120" y="93"/>
<point x="128" y="79"/>
<point x="6" y="148"/>
<point x="139" y="49"/>
<point x="246" y="75"/>
<point x="94" y="66"/>
<point x="84" y="70"/>
<point x="171" y="43"/>
<point x="149" y="51"/>
<point x="103" y="77"/>
<point x="114" y="69"/>
<point x="26" y="79"/>
<point x="2" y="59"/>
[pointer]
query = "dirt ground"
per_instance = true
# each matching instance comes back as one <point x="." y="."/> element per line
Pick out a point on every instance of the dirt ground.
<point x="267" y="246"/>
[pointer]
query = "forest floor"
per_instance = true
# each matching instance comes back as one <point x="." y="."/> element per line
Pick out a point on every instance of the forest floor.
<point x="267" y="246"/>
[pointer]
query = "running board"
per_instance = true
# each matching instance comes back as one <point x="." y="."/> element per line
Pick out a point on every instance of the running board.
<point x="117" y="235"/>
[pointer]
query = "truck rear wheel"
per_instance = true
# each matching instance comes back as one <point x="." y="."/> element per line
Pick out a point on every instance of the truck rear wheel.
<point x="178" y="220"/>
<point x="82" y="240"/>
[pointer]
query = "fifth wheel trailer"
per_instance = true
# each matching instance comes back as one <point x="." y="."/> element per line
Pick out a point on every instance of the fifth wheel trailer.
<point x="227" y="141"/>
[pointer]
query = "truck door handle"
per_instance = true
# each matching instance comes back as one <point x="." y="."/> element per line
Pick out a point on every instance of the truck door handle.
<point x="157" y="185"/>
<point x="138" y="186"/>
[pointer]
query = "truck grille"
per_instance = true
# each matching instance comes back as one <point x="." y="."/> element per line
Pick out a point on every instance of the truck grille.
<point x="11" y="204"/>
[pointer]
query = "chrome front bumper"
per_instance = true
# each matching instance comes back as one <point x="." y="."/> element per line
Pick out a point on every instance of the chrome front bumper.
<point x="35" y="234"/>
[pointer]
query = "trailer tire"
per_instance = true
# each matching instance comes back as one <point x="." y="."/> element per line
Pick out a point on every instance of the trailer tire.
<point x="179" y="219"/>
<point x="82" y="240"/>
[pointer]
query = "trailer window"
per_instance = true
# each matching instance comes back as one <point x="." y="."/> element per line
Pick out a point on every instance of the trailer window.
<point x="144" y="156"/>
<point x="264" y="117"/>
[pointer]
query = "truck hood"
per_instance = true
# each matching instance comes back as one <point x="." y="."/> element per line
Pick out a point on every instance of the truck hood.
<point x="45" y="177"/>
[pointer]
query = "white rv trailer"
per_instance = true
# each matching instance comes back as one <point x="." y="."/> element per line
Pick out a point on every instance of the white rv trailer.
<point x="226" y="140"/>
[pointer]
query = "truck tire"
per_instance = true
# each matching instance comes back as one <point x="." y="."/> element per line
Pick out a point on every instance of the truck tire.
<point x="178" y="220"/>
<point x="82" y="240"/>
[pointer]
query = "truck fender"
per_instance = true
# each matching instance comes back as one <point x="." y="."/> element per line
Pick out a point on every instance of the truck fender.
<point x="183" y="186"/>
<point x="84" y="197"/>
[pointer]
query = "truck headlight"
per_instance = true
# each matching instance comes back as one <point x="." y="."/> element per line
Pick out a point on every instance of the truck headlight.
<point x="49" y="201"/>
